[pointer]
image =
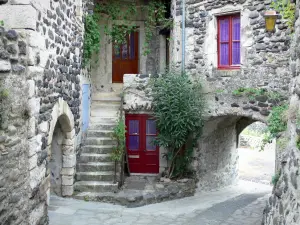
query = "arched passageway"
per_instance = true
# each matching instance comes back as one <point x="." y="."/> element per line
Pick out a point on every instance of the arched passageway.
<point x="217" y="153"/>
<point x="256" y="160"/>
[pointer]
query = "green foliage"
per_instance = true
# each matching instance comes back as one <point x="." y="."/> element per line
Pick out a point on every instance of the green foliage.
<point x="118" y="135"/>
<point x="178" y="110"/>
<point x="120" y="16"/>
<point x="275" y="178"/>
<point x="3" y="96"/>
<point x="287" y="10"/>
<point x="253" y="133"/>
<point x="91" y="43"/>
<point x="252" y="93"/>
<point x="298" y="142"/>
<point x="276" y="123"/>
<point x="1" y="23"/>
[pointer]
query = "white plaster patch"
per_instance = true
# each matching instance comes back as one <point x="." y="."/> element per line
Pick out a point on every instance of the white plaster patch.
<point x="18" y="16"/>
<point x="34" y="145"/>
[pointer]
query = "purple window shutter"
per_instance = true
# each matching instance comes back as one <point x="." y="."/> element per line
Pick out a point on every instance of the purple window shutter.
<point x="134" y="139"/>
<point x="224" y="39"/>
<point x="236" y="37"/>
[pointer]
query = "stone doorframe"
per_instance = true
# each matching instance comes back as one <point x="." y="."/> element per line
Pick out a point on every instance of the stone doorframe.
<point x="62" y="114"/>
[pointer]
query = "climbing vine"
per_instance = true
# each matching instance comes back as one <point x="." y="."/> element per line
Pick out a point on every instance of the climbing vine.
<point x="1" y="23"/>
<point x="287" y="10"/>
<point x="120" y="17"/>
<point x="277" y="123"/>
<point x="178" y="107"/>
<point x="91" y="42"/>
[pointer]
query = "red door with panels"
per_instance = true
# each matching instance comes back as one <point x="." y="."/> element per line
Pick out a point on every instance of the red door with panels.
<point x="143" y="154"/>
<point x="125" y="58"/>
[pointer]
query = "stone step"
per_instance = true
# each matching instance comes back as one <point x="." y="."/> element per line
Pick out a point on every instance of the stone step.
<point x="99" y="133"/>
<point x="112" y="97"/>
<point x="93" y="157"/>
<point x="95" y="166"/>
<point x="95" y="176"/>
<point x="104" y="113"/>
<point x="95" y="186"/>
<point x="97" y="149"/>
<point x="106" y="104"/>
<point x="111" y="120"/>
<point x="99" y="141"/>
<point x="106" y="125"/>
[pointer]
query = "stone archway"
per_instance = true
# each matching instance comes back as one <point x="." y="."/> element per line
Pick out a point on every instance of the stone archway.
<point x="62" y="156"/>
<point x="216" y="155"/>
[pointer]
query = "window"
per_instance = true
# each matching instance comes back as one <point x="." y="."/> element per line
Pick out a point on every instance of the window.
<point x="229" y="37"/>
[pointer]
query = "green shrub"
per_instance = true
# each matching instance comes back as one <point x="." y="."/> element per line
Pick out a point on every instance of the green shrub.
<point x="118" y="135"/>
<point x="275" y="178"/>
<point x="91" y="42"/>
<point x="178" y="106"/>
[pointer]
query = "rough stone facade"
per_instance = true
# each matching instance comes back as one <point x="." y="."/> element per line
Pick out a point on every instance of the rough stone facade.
<point x="40" y="65"/>
<point x="14" y="164"/>
<point x="264" y="65"/>
<point x="283" y="206"/>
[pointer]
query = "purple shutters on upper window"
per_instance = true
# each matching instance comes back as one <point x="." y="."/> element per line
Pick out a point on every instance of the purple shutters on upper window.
<point x="236" y="36"/>
<point x="229" y="41"/>
<point x="224" y="41"/>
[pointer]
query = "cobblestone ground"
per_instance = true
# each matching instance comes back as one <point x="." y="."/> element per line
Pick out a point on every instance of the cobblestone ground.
<point x="236" y="205"/>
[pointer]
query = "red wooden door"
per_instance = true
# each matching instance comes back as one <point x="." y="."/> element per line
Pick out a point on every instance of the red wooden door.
<point x="125" y="58"/>
<point x="143" y="155"/>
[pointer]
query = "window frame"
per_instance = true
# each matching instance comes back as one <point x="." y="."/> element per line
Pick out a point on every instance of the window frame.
<point x="230" y="66"/>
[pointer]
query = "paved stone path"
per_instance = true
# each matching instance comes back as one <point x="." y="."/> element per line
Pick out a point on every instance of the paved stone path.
<point x="236" y="205"/>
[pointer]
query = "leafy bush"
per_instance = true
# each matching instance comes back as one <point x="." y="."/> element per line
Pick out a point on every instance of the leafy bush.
<point x="178" y="106"/>
<point x="287" y="10"/>
<point x="91" y="43"/>
<point x="119" y="136"/>
<point x="276" y="124"/>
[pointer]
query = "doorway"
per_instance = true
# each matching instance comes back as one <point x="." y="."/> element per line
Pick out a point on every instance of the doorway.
<point x="125" y="57"/>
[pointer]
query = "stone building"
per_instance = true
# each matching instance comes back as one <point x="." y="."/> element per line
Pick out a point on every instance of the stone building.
<point x="258" y="59"/>
<point x="41" y="83"/>
<point x="49" y="103"/>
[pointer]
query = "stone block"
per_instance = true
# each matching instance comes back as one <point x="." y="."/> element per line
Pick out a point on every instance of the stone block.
<point x="67" y="180"/>
<point x="67" y="171"/>
<point x="20" y="2"/>
<point x="31" y="88"/>
<point x="34" y="145"/>
<point x="45" y="185"/>
<point x="68" y="142"/>
<point x="19" y="16"/>
<point x="5" y="66"/>
<point x="70" y="135"/>
<point x="34" y="72"/>
<point x="36" y="214"/>
<point x="67" y="190"/>
<point x="31" y="127"/>
<point x="68" y="150"/>
<point x="44" y="127"/>
<point x="33" y="161"/>
<point x="69" y="161"/>
<point x="44" y="56"/>
<point x="31" y="59"/>
<point x="33" y="106"/>
<point x="37" y="175"/>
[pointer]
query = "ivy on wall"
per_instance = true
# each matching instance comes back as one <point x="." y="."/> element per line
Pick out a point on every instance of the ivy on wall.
<point x="120" y="16"/>
<point x="287" y="11"/>
<point x="91" y="42"/>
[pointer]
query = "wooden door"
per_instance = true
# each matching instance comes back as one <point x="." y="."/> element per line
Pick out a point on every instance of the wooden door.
<point x="125" y="58"/>
<point x="143" y="154"/>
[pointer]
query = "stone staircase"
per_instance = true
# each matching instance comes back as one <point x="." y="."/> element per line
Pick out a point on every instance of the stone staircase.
<point x="95" y="170"/>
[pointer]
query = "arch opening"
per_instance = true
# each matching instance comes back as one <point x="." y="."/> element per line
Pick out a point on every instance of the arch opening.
<point x="256" y="160"/>
<point x="218" y="157"/>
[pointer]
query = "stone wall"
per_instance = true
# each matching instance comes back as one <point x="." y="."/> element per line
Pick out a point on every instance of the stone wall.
<point x="283" y="206"/>
<point x="264" y="56"/>
<point x="41" y="61"/>
<point x="153" y="63"/>
<point x="14" y="165"/>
